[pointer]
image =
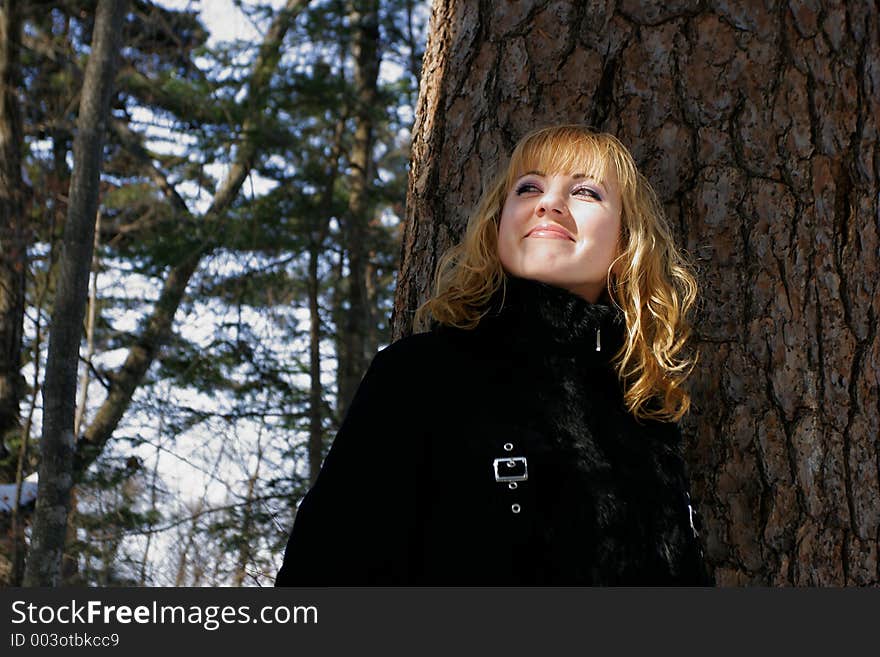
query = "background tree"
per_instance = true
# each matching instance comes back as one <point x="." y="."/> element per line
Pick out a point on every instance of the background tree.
<point x="13" y="264"/>
<point x="51" y="70"/>
<point x="59" y="392"/>
<point x="196" y="479"/>
<point x="355" y="346"/>
<point x="13" y="225"/>
<point x="758" y="127"/>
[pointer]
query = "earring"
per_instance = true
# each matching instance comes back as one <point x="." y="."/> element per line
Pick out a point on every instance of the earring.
<point x="598" y="345"/>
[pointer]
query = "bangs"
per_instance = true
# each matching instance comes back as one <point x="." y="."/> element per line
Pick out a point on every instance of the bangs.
<point x="559" y="150"/>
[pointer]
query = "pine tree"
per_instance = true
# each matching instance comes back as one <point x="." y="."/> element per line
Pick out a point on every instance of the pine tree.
<point x="757" y="126"/>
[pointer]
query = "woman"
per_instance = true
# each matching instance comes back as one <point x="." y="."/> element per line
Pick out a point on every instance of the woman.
<point x="529" y="437"/>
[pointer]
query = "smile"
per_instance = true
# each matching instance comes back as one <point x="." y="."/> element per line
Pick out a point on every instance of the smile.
<point x="549" y="234"/>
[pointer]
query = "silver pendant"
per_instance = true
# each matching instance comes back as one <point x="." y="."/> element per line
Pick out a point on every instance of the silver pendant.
<point x="598" y="344"/>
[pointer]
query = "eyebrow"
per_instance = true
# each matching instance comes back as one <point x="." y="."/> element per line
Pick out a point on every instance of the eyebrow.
<point x="576" y="175"/>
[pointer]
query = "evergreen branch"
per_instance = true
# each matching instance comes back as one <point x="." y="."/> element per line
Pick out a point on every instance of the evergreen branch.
<point x="132" y="143"/>
<point x="157" y="329"/>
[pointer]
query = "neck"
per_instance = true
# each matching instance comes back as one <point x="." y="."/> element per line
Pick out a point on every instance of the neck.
<point x="592" y="292"/>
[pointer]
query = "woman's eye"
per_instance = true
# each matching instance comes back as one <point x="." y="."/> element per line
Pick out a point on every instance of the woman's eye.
<point x="580" y="191"/>
<point x="587" y="192"/>
<point x="527" y="187"/>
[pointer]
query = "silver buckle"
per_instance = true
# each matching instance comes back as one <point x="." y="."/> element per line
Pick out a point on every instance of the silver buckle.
<point x="514" y="468"/>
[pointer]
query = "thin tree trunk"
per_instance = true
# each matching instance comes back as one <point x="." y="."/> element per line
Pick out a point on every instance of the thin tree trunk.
<point x="197" y="512"/>
<point x="365" y="22"/>
<point x="371" y="340"/>
<point x="316" y="432"/>
<point x="19" y="546"/>
<point x="65" y="333"/>
<point x="339" y="294"/>
<point x="142" y="578"/>
<point x="318" y="237"/>
<point x="183" y="558"/>
<point x="154" y="486"/>
<point x="13" y="228"/>
<point x="90" y="333"/>
<point x="757" y="125"/>
<point x="245" y="552"/>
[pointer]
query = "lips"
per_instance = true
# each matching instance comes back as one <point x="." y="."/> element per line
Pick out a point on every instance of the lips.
<point x="552" y="231"/>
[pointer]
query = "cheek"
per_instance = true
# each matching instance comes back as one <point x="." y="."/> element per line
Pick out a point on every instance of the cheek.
<point x="506" y="233"/>
<point x="506" y="241"/>
<point x="606" y="230"/>
<point x="609" y="231"/>
<point x="504" y="248"/>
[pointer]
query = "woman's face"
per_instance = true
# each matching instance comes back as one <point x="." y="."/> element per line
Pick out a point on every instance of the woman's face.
<point x="561" y="229"/>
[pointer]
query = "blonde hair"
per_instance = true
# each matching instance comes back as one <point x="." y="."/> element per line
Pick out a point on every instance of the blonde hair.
<point x="655" y="289"/>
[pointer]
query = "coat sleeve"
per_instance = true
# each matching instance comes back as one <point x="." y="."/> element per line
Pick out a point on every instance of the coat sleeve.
<point x="358" y="523"/>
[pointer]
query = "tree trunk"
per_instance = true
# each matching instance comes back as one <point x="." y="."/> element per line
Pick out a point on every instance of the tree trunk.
<point x="92" y="308"/>
<point x="245" y="549"/>
<point x="154" y="498"/>
<point x="183" y="558"/>
<point x="316" y="433"/>
<point x="340" y="287"/>
<point x="13" y="268"/>
<point x="20" y="515"/>
<point x="65" y="332"/>
<point x="371" y="285"/>
<point x="758" y="128"/>
<point x="317" y="237"/>
<point x="13" y="229"/>
<point x="365" y="21"/>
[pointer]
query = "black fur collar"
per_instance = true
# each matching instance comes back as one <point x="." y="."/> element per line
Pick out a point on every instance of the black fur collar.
<point x="529" y="313"/>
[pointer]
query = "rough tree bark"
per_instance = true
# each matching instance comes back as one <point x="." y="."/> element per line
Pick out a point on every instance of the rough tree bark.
<point x="758" y="128"/>
<point x="354" y="357"/>
<point x="65" y="333"/>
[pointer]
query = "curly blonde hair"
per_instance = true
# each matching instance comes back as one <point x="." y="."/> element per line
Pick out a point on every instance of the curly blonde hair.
<point x="653" y="284"/>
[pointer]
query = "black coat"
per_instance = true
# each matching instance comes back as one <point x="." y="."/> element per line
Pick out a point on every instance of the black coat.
<point x="584" y="494"/>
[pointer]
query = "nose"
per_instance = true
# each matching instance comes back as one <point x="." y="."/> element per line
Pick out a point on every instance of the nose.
<point x="551" y="201"/>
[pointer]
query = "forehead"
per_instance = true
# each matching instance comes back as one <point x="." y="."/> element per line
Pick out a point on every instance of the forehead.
<point x="562" y="155"/>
